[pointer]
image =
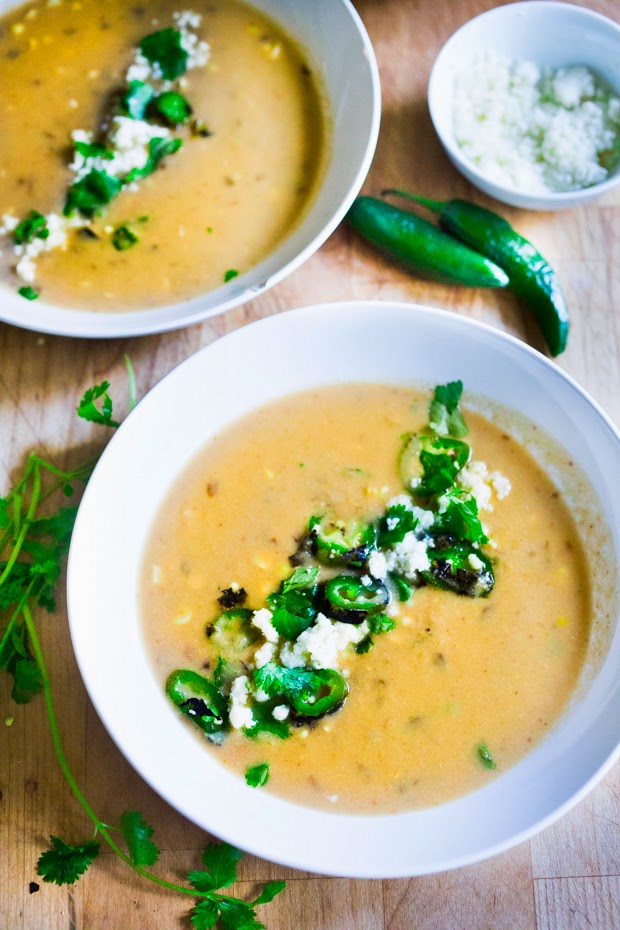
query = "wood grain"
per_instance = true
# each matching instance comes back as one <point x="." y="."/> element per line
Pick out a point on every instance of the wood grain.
<point x="565" y="879"/>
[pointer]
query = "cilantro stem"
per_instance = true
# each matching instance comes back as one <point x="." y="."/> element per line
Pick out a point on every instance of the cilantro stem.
<point x="16" y="614"/>
<point x="32" y="509"/>
<point x="100" y="827"/>
<point x="132" y="382"/>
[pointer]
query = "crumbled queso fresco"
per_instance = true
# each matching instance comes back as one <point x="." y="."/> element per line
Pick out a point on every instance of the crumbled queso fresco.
<point x="126" y="138"/>
<point x="537" y="131"/>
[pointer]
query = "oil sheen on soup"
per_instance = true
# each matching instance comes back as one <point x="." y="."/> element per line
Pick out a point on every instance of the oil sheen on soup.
<point x="244" y="106"/>
<point x="451" y="682"/>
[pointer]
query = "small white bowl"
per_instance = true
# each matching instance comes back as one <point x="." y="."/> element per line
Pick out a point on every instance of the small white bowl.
<point x="553" y="35"/>
<point x="336" y="343"/>
<point x="341" y="55"/>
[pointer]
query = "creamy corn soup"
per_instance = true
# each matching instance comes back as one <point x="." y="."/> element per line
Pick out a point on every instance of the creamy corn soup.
<point x="477" y="599"/>
<point x="243" y="105"/>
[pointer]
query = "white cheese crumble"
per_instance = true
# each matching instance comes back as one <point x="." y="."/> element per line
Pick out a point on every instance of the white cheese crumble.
<point x="377" y="565"/>
<point x="424" y="517"/>
<point x="475" y="562"/>
<point x="264" y="655"/>
<point x="477" y="480"/>
<point x="240" y="714"/>
<point x="280" y="712"/>
<point x="534" y="131"/>
<point x="262" y="621"/>
<point x="321" y="644"/>
<point x="28" y="252"/>
<point x="408" y="558"/>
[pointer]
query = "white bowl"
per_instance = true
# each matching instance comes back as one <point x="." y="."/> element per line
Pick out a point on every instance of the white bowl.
<point x="553" y="35"/>
<point x="362" y="341"/>
<point x="342" y="58"/>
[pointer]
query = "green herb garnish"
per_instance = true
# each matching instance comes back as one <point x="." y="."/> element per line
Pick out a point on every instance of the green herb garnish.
<point x="257" y="775"/>
<point x="293" y="604"/>
<point x="124" y="238"/>
<point x="173" y="108"/>
<point x="63" y="864"/>
<point x="444" y="415"/>
<point x="404" y="590"/>
<point x="93" y="150"/>
<point x="90" y="193"/>
<point x="394" y="526"/>
<point x="33" y="227"/>
<point x="32" y="549"/>
<point x="165" y="49"/>
<point x="275" y="680"/>
<point x="137" y="98"/>
<point x="379" y="623"/>
<point x="230" y="274"/>
<point x="158" y="149"/>
<point x="88" y="409"/>
<point x="459" y="518"/>
<point x="485" y="756"/>
<point x="28" y="292"/>
<point x="302" y="577"/>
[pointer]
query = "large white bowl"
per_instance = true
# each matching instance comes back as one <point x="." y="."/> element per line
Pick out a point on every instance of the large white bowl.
<point x="553" y="35"/>
<point x="363" y="341"/>
<point x="342" y="58"/>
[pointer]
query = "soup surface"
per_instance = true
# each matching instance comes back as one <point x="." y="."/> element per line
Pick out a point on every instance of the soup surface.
<point x="217" y="206"/>
<point x="462" y="687"/>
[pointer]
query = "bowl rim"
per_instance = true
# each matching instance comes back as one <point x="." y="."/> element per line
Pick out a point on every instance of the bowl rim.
<point x="76" y="323"/>
<point x="79" y="559"/>
<point x="551" y="199"/>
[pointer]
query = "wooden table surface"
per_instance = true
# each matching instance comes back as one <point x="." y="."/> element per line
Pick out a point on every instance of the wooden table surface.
<point x="567" y="878"/>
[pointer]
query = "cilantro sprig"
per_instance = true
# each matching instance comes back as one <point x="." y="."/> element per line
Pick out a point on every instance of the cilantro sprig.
<point x="33" y="544"/>
<point x="444" y="415"/>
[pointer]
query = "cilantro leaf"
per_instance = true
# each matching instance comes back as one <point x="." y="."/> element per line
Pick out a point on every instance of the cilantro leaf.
<point x="230" y="274"/>
<point x="136" y="100"/>
<point x="33" y="227"/>
<point x="380" y="624"/>
<point x="265" y="722"/>
<point x="158" y="149"/>
<point x="14" y="584"/>
<point x="93" y="150"/>
<point x="88" y="409"/>
<point x="63" y="864"/>
<point x="293" y="605"/>
<point x="90" y="193"/>
<point x="124" y="238"/>
<point x="173" y="108"/>
<point x="27" y="681"/>
<point x="221" y="861"/>
<point x="137" y="834"/>
<point x="441" y="460"/>
<point x="269" y="892"/>
<point x="460" y="518"/>
<point x="59" y="525"/>
<point x="301" y="578"/>
<point x="364" y="646"/>
<point x="238" y="915"/>
<point x="485" y="756"/>
<point x="165" y="49"/>
<point x="16" y="659"/>
<point x="443" y="414"/>
<point x="205" y="914"/>
<point x="404" y="590"/>
<point x="394" y="526"/>
<point x="28" y="292"/>
<point x="275" y="679"/>
<point x="257" y="775"/>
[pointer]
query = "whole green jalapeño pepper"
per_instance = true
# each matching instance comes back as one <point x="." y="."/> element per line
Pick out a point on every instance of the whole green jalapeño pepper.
<point x="531" y="276"/>
<point x="422" y="248"/>
<point x="331" y="694"/>
<point x="199" y="700"/>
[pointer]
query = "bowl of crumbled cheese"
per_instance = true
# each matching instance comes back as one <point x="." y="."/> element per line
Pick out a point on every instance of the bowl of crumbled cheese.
<point x="526" y="102"/>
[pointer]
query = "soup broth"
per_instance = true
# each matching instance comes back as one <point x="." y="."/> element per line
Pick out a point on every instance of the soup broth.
<point x="462" y="687"/>
<point x="213" y="209"/>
